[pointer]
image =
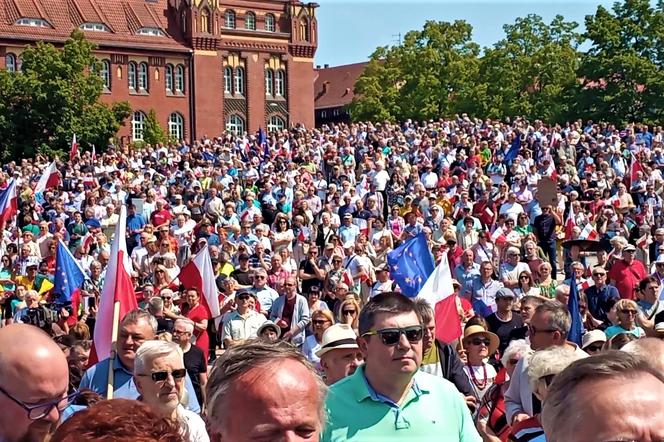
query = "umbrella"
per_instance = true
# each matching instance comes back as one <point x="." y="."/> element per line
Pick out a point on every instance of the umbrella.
<point x="585" y="245"/>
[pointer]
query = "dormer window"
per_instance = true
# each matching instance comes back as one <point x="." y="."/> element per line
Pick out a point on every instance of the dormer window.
<point x="153" y="32"/>
<point x="34" y="22"/>
<point x="96" y="27"/>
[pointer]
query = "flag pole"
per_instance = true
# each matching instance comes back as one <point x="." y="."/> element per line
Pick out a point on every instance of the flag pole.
<point x="114" y="350"/>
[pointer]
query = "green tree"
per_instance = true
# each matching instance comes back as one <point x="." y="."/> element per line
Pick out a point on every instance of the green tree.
<point x="377" y="89"/>
<point x="54" y="96"/>
<point x="153" y="132"/>
<point x="622" y="72"/>
<point x="532" y="70"/>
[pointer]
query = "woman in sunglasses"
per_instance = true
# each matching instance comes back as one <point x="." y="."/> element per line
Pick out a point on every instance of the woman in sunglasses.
<point x="349" y="313"/>
<point x="480" y="344"/>
<point x="627" y="311"/>
<point x="321" y="320"/>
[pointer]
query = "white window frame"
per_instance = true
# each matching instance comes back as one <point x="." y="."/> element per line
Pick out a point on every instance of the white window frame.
<point x="34" y="22"/>
<point x="250" y="21"/>
<point x="228" y="80"/>
<point x="11" y="62"/>
<point x="105" y="73"/>
<point x="280" y="83"/>
<point x="94" y="27"/>
<point x="138" y="126"/>
<point x="275" y="123"/>
<point x="269" y="82"/>
<point x="176" y="126"/>
<point x="238" y="84"/>
<point x="179" y="79"/>
<point x="132" y="76"/>
<point x="168" y="78"/>
<point x="235" y="123"/>
<point x="151" y="32"/>
<point x="230" y="21"/>
<point x="143" y="77"/>
<point x="270" y="23"/>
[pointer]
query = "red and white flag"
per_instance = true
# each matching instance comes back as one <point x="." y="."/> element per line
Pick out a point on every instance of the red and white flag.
<point x="94" y="153"/>
<point x="585" y="283"/>
<point x="498" y="236"/>
<point x="198" y="274"/>
<point x="644" y="241"/>
<point x="439" y="293"/>
<point x="8" y="203"/>
<point x="589" y="233"/>
<point x="50" y="178"/>
<point x="634" y="167"/>
<point x="73" y="150"/>
<point x="118" y="287"/>
<point x="570" y="223"/>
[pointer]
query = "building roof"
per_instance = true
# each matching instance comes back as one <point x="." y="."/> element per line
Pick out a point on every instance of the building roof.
<point x="122" y="18"/>
<point x="334" y="86"/>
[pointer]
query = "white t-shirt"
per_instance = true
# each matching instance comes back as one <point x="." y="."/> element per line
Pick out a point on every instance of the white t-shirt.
<point x="192" y="425"/>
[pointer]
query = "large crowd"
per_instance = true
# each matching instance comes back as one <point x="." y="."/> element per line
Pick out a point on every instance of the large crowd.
<point x="314" y="339"/>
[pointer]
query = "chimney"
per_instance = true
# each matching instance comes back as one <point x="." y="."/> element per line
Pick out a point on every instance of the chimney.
<point x="326" y="66"/>
<point x="317" y="66"/>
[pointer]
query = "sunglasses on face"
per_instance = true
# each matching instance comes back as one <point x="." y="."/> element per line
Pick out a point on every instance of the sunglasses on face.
<point x="524" y="277"/>
<point x="166" y="298"/>
<point x="480" y="341"/>
<point x="391" y="336"/>
<point x="161" y="376"/>
<point x="628" y="312"/>
<point x="243" y="297"/>
<point x="319" y="322"/>
<point x="348" y="312"/>
<point x="594" y="348"/>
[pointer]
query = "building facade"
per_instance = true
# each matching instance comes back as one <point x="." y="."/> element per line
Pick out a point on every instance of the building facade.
<point x="202" y="65"/>
<point x="334" y="91"/>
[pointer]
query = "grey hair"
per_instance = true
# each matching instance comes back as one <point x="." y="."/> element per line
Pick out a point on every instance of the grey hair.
<point x="561" y="397"/>
<point x="517" y="347"/>
<point x="562" y="289"/>
<point x="550" y="361"/>
<point x="186" y="322"/>
<point x="155" y="305"/>
<point x="241" y="359"/>
<point x="559" y="317"/>
<point x="424" y="309"/>
<point x="136" y="315"/>
<point x="151" y="350"/>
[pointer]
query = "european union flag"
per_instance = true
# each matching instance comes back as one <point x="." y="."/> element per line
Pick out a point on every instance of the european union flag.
<point x="69" y="276"/>
<point x="514" y="150"/>
<point x="261" y="136"/>
<point x="411" y="264"/>
<point x="207" y="156"/>
<point x="576" y="331"/>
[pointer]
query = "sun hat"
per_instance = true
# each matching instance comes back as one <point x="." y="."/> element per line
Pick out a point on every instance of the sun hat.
<point x="336" y="337"/>
<point x="478" y="330"/>
<point x="591" y="337"/>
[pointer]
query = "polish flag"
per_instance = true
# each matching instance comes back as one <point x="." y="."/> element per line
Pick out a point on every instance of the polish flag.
<point x="589" y="233"/>
<point x="498" y="236"/>
<point x="569" y="223"/>
<point x="50" y="178"/>
<point x="73" y="150"/>
<point x="94" y="153"/>
<point x="118" y="287"/>
<point x="584" y="284"/>
<point x="644" y="241"/>
<point x="198" y="274"/>
<point x="634" y="167"/>
<point x="8" y="203"/>
<point x="439" y="293"/>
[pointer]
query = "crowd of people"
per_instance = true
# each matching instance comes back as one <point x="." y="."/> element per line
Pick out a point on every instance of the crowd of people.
<point x="313" y="329"/>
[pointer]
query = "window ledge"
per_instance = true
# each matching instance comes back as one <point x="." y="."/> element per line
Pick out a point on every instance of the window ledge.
<point x="175" y="94"/>
<point x="138" y="92"/>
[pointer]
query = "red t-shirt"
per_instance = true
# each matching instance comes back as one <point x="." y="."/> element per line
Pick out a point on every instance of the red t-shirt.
<point x="626" y="277"/>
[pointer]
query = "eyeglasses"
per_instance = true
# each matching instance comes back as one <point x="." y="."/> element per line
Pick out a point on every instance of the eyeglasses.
<point x="348" y="312"/>
<point x="524" y="277"/>
<point x="594" y="348"/>
<point x="38" y="411"/>
<point x="161" y="376"/>
<point x="391" y="336"/>
<point x="599" y="274"/>
<point x="243" y="297"/>
<point x="628" y="311"/>
<point x="178" y="332"/>
<point x="260" y="277"/>
<point x="480" y="341"/>
<point x="336" y="261"/>
<point x="166" y="298"/>
<point x="533" y="330"/>
<point x="319" y="321"/>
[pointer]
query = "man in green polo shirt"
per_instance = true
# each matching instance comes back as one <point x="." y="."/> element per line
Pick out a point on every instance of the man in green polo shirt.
<point x="389" y="398"/>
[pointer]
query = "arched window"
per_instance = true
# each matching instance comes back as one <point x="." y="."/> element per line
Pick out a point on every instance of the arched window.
<point x="229" y="20"/>
<point x="179" y="79"/>
<point x="239" y="81"/>
<point x="228" y="80"/>
<point x="235" y="124"/>
<point x="275" y="123"/>
<point x="205" y="21"/>
<point x="137" y="126"/>
<point x="250" y="21"/>
<point x="280" y="84"/>
<point x="131" y="75"/>
<point x="176" y="126"/>
<point x="304" y="29"/>
<point x="143" y="76"/>
<point x="169" y="78"/>
<point x="269" y="82"/>
<point x="270" y="23"/>
<point x="10" y="62"/>
<point x="105" y="73"/>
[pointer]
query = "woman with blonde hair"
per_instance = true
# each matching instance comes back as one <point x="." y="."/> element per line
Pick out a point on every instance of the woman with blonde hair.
<point x="349" y="312"/>
<point x="321" y="320"/>
<point x="626" y="311"/>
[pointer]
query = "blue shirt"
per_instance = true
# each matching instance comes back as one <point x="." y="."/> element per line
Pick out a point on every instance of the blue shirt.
<point x="135" y="222"/>
<point x="601" y="300"/>
<point x="96" y="379"/>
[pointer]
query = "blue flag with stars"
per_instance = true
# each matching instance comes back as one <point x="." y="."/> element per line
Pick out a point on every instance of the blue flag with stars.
<point x="69" y="276"/>
<point x="411" y="264"/>
<point x="576" y="330"/>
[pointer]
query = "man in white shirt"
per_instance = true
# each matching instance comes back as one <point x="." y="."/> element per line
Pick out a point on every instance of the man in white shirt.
<point x="380" y="177"/>
<point x="244" y="322"/>
<point x="511" y="207"/>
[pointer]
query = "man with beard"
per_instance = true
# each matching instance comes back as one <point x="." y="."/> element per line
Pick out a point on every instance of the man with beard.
<point x="34" y="378"/>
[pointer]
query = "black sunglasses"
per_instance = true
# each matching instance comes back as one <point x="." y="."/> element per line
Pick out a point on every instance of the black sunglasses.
<point x="391" y="336"/>
<point x="243" y="297"/>
<point x="594" y="348"/>
<point x="161" y="376"/>
<point x="480" y="341"/>
<point x="318" y="321"/>
<point x="348" y="312"/>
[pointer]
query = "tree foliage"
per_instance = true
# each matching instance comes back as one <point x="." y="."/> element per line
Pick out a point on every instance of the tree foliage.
<point x="153" y="133"/>
<point x="537" y="70"/>
<point x="55" y="95"/>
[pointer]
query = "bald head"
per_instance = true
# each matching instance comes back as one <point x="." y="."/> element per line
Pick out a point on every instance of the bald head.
<point x="29" y="354"/>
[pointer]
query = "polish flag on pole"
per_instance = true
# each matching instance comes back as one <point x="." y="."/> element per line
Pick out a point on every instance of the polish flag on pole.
<point x="585" y="283"/>
<point x="117" y="296"/>
<point x="589" y="233"/>
<point x="8" y="203"/>
<point x="569" y="223"/>
<point x="198" y="273"/>
<point x="50" y="178"/>
<point x="94" y="153"/>
<point x="73" y="150"/>
<point x="498" y="236"/>
<point x="439" y="293"/>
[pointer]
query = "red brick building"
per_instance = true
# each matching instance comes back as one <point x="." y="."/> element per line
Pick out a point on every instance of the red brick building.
<point x="203" y="65"/>
<point x="333" y="91"/>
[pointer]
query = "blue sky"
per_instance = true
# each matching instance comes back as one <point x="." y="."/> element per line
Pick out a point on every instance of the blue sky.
<point x="349" y="31"/>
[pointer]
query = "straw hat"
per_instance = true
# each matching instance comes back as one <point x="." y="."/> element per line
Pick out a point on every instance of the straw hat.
<point x="478" y="330"/>
<point x="337" y="336"/>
